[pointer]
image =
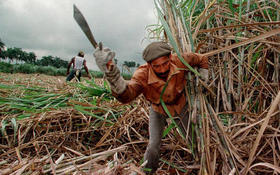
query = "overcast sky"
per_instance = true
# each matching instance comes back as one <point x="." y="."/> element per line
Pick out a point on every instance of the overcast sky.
<point x="47" y="27"/>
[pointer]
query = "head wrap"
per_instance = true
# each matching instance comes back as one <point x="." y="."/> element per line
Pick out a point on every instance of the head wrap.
<point x="156" y="50"/>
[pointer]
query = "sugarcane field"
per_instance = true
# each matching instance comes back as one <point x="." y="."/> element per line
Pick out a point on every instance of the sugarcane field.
<point x="205" y="99"/>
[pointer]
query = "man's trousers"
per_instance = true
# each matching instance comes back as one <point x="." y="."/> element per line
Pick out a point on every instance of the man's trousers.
<point x="157" y="123"/>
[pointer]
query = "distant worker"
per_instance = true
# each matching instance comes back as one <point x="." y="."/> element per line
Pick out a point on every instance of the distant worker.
<point x="78" y="63"/>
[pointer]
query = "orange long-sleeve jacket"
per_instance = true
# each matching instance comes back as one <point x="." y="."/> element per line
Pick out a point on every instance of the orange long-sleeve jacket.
<point x="145" y="81"/>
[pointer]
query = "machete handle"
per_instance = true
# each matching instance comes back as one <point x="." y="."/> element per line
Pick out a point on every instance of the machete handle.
<point x="100" y="45"/>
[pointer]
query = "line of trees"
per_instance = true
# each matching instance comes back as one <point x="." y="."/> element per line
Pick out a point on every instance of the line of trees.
<point x="52" y="61"/>
<point x="18" y="55"/>
<point x="131" y="64"/>
<point x="2" y="45"/>
<point x="128" y="66"/>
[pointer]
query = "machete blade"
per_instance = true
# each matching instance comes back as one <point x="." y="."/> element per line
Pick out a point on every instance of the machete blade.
<point x="80" y="19"/>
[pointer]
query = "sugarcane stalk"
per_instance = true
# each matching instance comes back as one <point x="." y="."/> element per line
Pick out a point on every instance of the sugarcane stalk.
<point x="192" y="109"/>
<point x="219" y="130"/>
<point x="276" y="67"/>
<point x="201" y="126"/>
<point x="167" y="111"/>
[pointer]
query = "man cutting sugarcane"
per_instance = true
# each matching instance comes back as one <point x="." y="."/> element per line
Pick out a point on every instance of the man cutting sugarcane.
<point x="78" y="62"/>
<point x="149" y="79"/>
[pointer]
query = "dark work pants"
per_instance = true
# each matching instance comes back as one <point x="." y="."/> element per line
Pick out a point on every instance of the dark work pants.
<point x="73" y="74"/>
<point x="157" y="124"/>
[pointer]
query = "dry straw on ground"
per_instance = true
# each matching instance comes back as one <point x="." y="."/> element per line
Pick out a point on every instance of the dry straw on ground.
<point x="234" y="122"/>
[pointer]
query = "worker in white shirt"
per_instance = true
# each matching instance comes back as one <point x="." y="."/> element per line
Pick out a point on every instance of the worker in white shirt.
<point x="78" y="62"/>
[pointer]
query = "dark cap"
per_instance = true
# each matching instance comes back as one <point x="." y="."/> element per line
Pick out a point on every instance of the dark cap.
<point x="156" y="50"/>
<point x="81" y="54"/>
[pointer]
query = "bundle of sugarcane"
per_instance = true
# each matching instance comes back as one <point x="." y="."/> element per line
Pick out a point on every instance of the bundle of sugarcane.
<point x="234" y="126"/>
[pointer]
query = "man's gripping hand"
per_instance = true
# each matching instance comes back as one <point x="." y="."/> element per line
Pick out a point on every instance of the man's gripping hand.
<point x="104" y="60"/>
<point x="103" y="56"/>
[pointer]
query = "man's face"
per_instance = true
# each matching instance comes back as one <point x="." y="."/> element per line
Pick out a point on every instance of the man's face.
<point x="161" y="66"/>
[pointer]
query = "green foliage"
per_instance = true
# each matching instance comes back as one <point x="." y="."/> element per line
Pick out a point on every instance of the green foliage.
<point x="48" y="65"/>
<point x="230" y="4"/>
<point x="61" y="71"/>
<point x="19" y="55"/>
<point x="126" y="76"/>
<point x="174" y="166"/>
<point x="30" y="58"/>
<point x="4" y="124"/>
<point x="6" y="67"/>
<point x="84" y="111"/>
<point x="24" y="68"/>
<point x="43" y="69"/>
<point x="47" y="70"/>
<point x="94" y="90"/>
<point x="1" y="44"/>
<point x="30" y="69"/>
<point x="130" y="63"/>
<point x="34" y="100"/>
<point x="225" y="119"/>
<point x="2" y="54"/>
<point x="95" y="74"/>
<point x="51" y="70"/>
<point x="52" y="61"/>
<point x="168" y="129"/>
<point x="99" y="74"/>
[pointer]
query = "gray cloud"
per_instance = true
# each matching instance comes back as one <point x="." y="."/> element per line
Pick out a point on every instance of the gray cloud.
<point x="48" y="27"/>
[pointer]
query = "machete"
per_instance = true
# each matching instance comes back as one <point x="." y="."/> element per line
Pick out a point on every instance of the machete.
<point x="80" y="19"/>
